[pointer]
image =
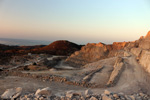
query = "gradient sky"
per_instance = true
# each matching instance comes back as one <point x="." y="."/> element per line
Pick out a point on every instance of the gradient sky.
<point x="79" y="21"/>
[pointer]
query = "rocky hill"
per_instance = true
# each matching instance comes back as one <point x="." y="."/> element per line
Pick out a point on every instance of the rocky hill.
<point x="61" y="47"/>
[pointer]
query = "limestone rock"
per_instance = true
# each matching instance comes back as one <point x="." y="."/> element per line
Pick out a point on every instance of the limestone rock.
<point x="93" y="98"/>
<point x="69" y="94"/>
<point x="12" y="93"/>
<point x="127" y="54"/>
<point x="107" y="92"/>
<point x="45" y="91"/>
<point x="52" y="70"/>
<point x="136" y="51"/>
<point x="105" y="97"/>
<point x="144" y="44"/>
<point x="115" y="96"/>
<point x="118" y="68"/>
<point x="88" y="92"/>
<point x="145" y="60"/>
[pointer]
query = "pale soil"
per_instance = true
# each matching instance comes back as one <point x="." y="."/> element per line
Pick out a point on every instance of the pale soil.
<point x="31" y="85"/>
<point x="132" y="80"/>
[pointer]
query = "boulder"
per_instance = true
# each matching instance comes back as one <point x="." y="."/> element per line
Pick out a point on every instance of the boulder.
<point x="116" y="96"/>
<point x="12" y="93"/>
<point x="72" y="93"/>
<point x="105" y="97"/>
<point x="46" y="91"/>
<point x="93" y="98"/>
<point x="88" y="92"/>
<point x="52" y="70"/>
<point x="107" y="92"/>
<point x="69" y="94"/>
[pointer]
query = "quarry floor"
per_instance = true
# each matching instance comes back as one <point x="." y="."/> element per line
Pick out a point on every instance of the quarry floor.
<point x="31" y="85"/>
<point x="132" y="80"/>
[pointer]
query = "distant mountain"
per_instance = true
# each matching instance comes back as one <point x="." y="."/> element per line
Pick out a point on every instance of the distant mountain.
<point x="22" y="42"/>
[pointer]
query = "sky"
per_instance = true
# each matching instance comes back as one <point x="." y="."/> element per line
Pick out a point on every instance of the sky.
<point x="79" y="21"/>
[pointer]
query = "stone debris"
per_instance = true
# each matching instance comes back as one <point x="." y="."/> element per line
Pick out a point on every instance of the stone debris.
<point x="12" y="93"/>
<point x="46" y="94"/>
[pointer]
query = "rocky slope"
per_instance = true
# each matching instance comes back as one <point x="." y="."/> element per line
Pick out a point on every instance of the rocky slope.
<point x="93" y="52"/>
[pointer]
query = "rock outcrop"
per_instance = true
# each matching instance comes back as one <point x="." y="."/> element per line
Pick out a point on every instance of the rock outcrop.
<point x="145" y="60"/>
<point x="147" y="36"/>
<point x="89" y="53"/>
<point x="141" y="51"/>
<point x="118" y="69"/>
<point x="93" y="52"/>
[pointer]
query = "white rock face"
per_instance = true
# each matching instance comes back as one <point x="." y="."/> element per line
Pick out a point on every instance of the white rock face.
<point x="45" y="91"/>
<point x="12" y="93"/>
<point x="145" y="60"/>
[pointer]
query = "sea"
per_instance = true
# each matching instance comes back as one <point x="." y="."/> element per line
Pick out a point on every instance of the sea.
<point x="22" y="42"/>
